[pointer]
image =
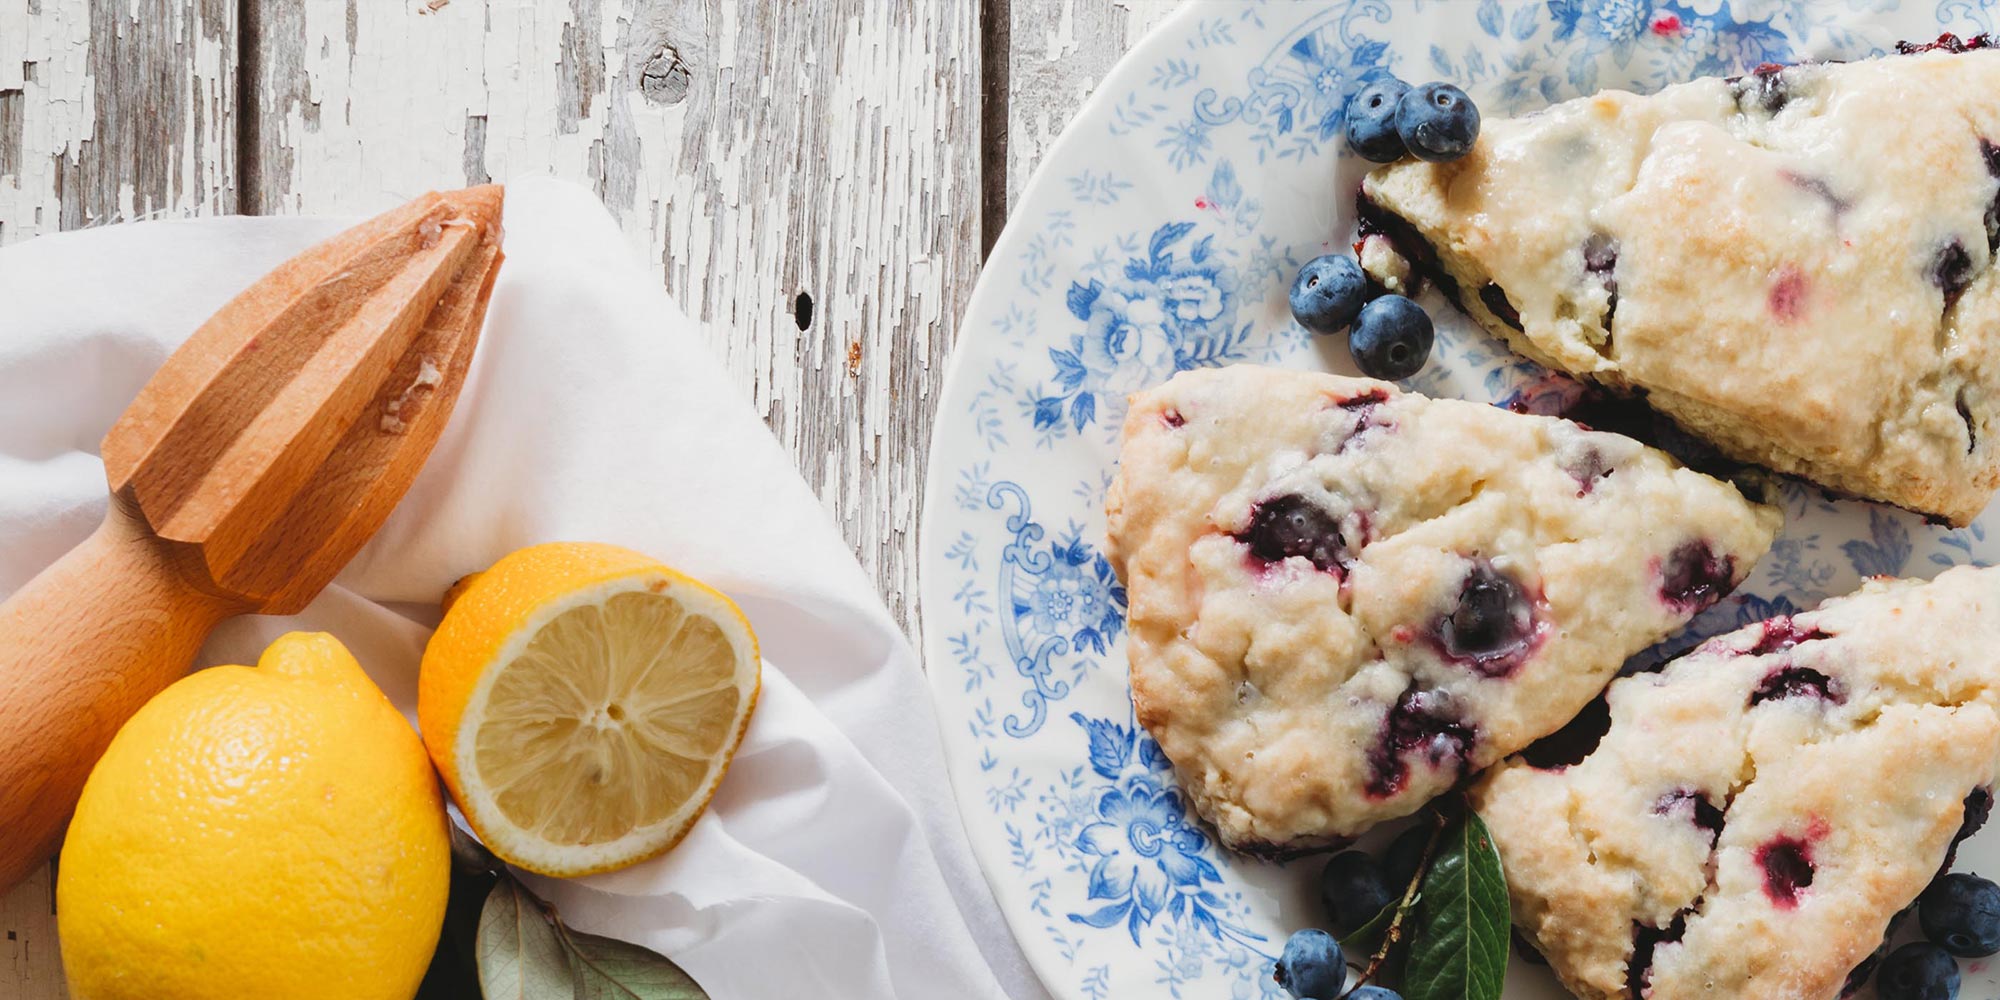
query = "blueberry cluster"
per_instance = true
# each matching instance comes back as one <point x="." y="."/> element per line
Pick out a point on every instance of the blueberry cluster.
<point x="1389" y="119"/>
<point x="1960" y="916"/>
<point x="1354" y="887"/>
<point x="1391" y="336"/>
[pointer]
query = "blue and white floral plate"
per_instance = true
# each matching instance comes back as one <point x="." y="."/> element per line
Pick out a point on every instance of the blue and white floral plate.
<point x="1160" y="234"/>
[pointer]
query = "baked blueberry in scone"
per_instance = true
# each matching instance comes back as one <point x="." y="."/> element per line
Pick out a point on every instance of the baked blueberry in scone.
<point x="1344" y="597"/>
<point x="1756" y="812"/>
<point x="1791" y="264"/>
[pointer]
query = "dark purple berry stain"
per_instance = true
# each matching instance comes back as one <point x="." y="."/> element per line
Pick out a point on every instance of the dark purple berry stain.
<point x="1647" y="939"/>
<point x="1172" y="418"/>
<point x="1818" y="188"/>
<point x="1420" y="723"/>
<point x="1788" y="870"/>
<point x="1978" y="806"/>
<point x="1693" y="577"/>
<point x="1577" y="739"/>
<point x="1950" y="269"/>
<point x="1991" y="154"/>
<point x="1363" y="407"/>
<point x="1695" y="807"/>
<point x="1947" y="42"/>
<point x="1796" y="682"/>
<point x="1763" y="88"/>
<point x="1291" y="525"/>
<point x="1497" y="302"/>
<point x="1782" y="633"/>
<point x="1491" y="626"/>
<point x="1377" y="221"/>
<point x="1600" y="257"/>
<point x="1971" y="426"/>
<point x="1587" y="470"/>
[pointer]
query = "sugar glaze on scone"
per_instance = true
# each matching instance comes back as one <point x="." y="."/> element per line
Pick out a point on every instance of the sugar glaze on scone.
<point x="1344" y="598"/>
<point x="1795" y="264"/>
<point x="1758" y="810"/>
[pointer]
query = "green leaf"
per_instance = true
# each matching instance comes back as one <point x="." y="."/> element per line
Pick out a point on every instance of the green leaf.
<point x="1458" y="946"/>
<point x="519" y="955"/>
<point x="1363" y="939"/>
<point x="609" y="969"/>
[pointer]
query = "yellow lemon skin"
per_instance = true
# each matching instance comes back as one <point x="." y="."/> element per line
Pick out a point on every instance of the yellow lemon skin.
<point x="485" y="614"/>
<point x="268" y="832"/>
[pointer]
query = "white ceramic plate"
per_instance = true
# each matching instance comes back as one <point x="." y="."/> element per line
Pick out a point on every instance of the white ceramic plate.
<point x="1161" y="233"/>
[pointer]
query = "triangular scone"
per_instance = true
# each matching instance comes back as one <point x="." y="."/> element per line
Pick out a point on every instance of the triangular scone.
<point x="1344" y="598"/>
<point x="1759" y="810"/>
<point x="1794" y="264"/>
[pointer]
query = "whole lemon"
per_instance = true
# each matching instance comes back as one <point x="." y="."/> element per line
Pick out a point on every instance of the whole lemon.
<point x="268" y="832"/>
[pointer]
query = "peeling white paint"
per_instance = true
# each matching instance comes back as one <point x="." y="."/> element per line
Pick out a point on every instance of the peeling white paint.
<point x="835" y="155"/>
<point x="46" y="58"/>
<point x="1062" y="48"/>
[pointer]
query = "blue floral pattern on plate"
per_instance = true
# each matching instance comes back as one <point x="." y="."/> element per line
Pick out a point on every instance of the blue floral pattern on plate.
<point x="1160" y="235"/>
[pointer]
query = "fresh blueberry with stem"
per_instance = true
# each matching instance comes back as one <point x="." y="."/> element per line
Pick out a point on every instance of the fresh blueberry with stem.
<point x="1437" y="122"/>
<point x="1312" y="967"/>
<point x="1391" y="338"/>
<point x="1353" y="889"/>
<point x="1371" y="121"/>
<point x="1961" y="913"/>
<point x="1918" y="971"/>
<point x="1327" y="294"/>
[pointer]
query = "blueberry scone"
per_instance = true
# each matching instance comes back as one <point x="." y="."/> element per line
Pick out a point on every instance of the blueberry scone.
<point x="1754" y="814"/>
<point x="1789" y="263"/>
<point x="1344" y="598"/>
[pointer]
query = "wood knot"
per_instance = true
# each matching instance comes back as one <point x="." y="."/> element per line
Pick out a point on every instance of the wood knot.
<point x="665" y="78"/>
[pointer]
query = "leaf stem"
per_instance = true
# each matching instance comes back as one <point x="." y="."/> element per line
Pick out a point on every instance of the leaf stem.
<point x="1393" y="934"/>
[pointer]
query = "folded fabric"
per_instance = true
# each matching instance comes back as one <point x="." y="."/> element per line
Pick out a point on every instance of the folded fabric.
<point x="832" y="862"/>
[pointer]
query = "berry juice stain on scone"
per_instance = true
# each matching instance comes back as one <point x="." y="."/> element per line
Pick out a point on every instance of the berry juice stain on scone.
<point x="1788" y="869"/>
<point x="1695" y="576"/>
<point x="1800" y="270"/>
<point x="1345" y="598"/>
<point x="1757" y="812"/>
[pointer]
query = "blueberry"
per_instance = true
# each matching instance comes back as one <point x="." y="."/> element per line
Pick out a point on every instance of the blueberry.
<point x="1327" y="294"/>
<point x="1917" y="971"/>
<point x="1290" y="525"/>
<point x="1961" y="913"/>
<point x="1391" y="339"/>
<point x="1371" y="121"/>
<point x="1437" y="122"/>
<point x="1353" y="889"/>
<point x="1372" y="992"/>
<point x="1405" y="853"/>
<point x="1312" y="967"/>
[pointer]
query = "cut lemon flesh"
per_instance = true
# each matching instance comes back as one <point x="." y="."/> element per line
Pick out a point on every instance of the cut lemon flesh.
<point x="596" y="731"/>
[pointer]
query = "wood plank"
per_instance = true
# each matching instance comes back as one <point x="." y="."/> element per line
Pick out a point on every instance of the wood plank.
<point x="804" y="177"/>
<point x="115" y="111"/>
<point x="30" y="963"/>
<point x="108" y="112"/>
<point x="1058" y="52"/>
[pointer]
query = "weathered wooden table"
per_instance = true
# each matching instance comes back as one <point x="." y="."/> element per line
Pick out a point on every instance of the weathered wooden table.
<point x="817" y="180"/>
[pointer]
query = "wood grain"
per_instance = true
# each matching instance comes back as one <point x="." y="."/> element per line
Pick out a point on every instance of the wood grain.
<point x="115" y="110"/>
<point x="1059" y="50"/>
<point x="806" y="185"/>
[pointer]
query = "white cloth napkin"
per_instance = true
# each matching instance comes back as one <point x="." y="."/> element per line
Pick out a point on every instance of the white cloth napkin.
<point x="832" y="862"/>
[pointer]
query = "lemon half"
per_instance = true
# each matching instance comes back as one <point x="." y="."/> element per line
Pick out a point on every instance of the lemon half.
<point x="583" y="702"/>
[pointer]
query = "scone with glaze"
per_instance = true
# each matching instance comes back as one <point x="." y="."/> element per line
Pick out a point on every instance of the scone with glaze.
<point x="1758" y="811"/>
<point x="1344" y="598"/>
<point x="1793" y="264"/>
